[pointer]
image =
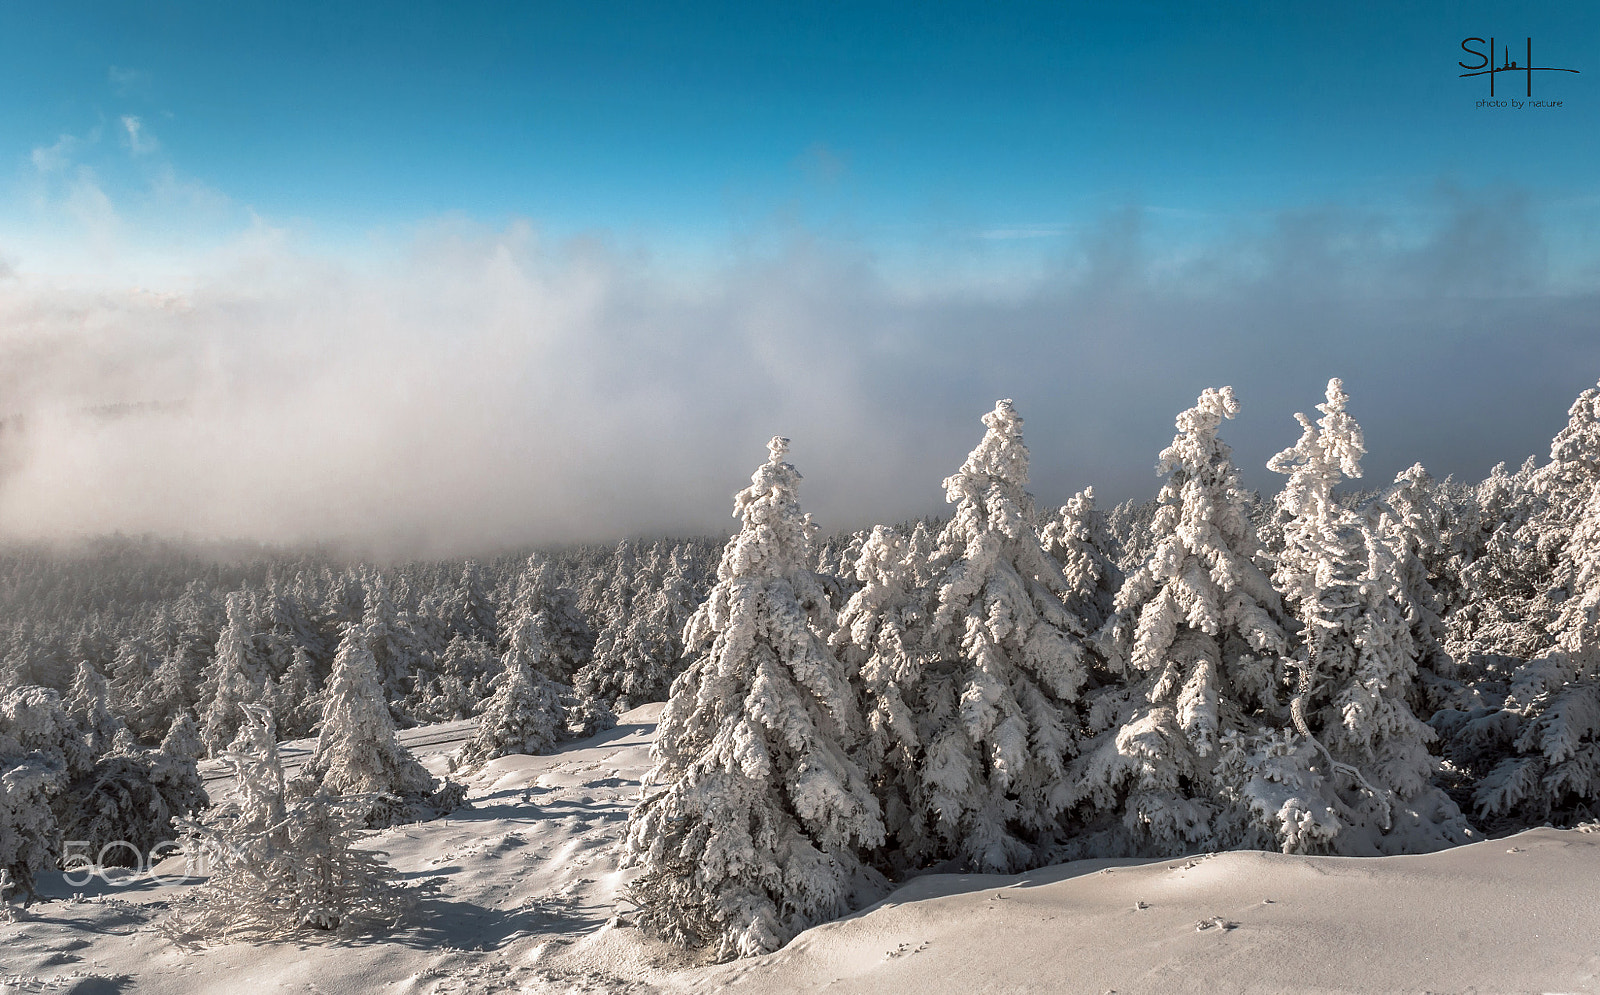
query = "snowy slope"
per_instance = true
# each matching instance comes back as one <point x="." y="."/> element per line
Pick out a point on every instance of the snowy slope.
<point x="531" y="882"/>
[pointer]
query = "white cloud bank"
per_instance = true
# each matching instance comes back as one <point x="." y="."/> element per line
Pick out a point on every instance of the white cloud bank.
<point x="484" y="386"/>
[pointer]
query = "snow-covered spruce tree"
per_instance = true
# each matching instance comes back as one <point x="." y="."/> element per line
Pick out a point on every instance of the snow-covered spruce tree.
<point x="38" y="754"/>
<point x="836" y="566"/>
<point x="30" y="837"/>
<point x="1534" y="756"/>
<point x="1199" y="633"/>
<point x="653" y="640"/>
<point x="1566" y="485"/>
<point x="1526" y="574"/>
<point x="759" y="814"/>
<point x="880" y="637"/>
<point x="131" y="671"/>
<point x="124" y="807"/>
<point x="1006" y="664"/>
<point x="1363" y="778"/>
<point x="471" y="611"/>
<point x="921" y="544"/>
<point x="1130" y="525"/>
<point x="683" y="588"/>
<point x="455" y="685"/>
<point x="529" y="639"/>
<point x="568" y="638"/>
<point x="357" y="750"/>
<point x="198" y="622"/>
<point x="526" y="714"/>
<point x="1510" y="612"/>
<point x="294" y="698"/>
<point x="388" y="645"/>
<point x="1078" y="540"/>
<point x="89" y="704"/>
<point x="1414" y="526"/>
<point x="235" y="681"/>
<point x="277" y="865"/>
<point x="615" y="653"/>
<point x="1538" y="753"/>
<point x="162" y="698"/>
<point x="182" y="740"/>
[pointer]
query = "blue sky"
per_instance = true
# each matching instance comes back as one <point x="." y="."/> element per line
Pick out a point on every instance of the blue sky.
<point x="854" y="224"/>
<point x="897" y="124"/>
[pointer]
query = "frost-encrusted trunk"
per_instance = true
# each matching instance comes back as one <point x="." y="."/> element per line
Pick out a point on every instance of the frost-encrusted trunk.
<point x="758" y="814"/>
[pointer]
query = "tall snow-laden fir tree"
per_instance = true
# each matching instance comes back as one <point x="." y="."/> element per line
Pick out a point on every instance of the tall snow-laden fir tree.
<point x="131" y="671"/>
<point x="197" y="626"/>
<point x="568" y="637"/>
<point x="1412" y="524"/>
<point x="529" y="638"/>
<point x="759" y="814"/>
<point x="1078" y="540"/>
<point x="388" y="644"/>
<point x="920" y="546"/>
<point x="526" y="714"/>
<point x="1566" y="484"/>
<point x="1130" y="525"/>
<point x="1526" y="574"/>
<point x="294" y="698"/>
<point x="234" y="680"/>
<point x="357" y="751"/>
<point x="640" y="647"/>
<point x="89" y="704"/>
<point x="1198" y="632"/>
<point x="880" y="636"/>
<point x="1510" y="612"/>
<point x="162" y="697"/>
<point x="1007" y="663"/>
<point x="1544" y="741"/>
<point x="659" y="630"/>
<point x="615" y="655"/>
<point x="472" y="612"/>
<point x="1362" y="772"/>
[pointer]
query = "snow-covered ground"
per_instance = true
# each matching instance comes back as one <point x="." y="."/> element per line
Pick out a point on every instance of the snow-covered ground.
<point x="530" y="886"/>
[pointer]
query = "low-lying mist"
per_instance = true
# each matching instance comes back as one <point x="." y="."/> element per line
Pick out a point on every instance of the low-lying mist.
<point x="485" y="388"/>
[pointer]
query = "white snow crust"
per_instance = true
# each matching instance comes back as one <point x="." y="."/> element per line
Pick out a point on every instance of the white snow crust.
<point x="528" y="902"/>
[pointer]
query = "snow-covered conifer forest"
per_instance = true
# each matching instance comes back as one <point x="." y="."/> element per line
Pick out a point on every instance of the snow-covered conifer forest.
<point x="624" y="765"/>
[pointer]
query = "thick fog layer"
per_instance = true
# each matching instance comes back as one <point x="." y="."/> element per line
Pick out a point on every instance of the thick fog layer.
<point x="484" y="387"/>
